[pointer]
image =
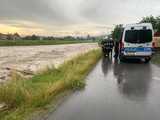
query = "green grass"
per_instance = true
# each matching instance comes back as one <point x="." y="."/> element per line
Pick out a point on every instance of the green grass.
<point x="40" y="42"/>
<point x="26" y="96"/>
<point x="156" y="58"/>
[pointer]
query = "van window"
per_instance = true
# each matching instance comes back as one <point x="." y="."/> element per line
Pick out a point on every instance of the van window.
<point x="138" y="36"/>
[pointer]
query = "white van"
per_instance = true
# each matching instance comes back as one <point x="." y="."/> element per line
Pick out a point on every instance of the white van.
<point x="137" y="42"/>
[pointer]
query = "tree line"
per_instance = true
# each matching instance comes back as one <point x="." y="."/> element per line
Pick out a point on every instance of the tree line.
<point x="16" y="36"/>
<point x="155" y="21"/>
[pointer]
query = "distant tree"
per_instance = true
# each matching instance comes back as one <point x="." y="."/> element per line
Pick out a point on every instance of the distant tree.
<point x="88" y="37"/>
<point x="116" y="33"/>
<point x="26" y="38"/>
<point x="68" y="38"/>
<point x="9" y="36"/>
<point x="51" y="38"/>
<point x="34" y="37"/>
<point x="155" y="21"/>
<point x="16" y="34"/>
<point x="158" y="23"/>
<point x="149" y="19"/>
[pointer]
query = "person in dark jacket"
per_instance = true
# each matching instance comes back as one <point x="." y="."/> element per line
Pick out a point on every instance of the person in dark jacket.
<point x="116" y="49"/>
<point x="107" y="46"/>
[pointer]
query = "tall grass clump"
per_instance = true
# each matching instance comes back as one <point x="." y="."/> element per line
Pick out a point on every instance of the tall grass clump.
<point x="22" y="95"/>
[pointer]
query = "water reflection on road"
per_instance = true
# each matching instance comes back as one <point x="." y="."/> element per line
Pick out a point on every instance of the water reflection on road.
<point x="133" y="80"/>
<point x="115" y="91"/>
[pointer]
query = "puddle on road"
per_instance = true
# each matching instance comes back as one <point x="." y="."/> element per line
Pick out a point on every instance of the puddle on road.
<point x="114" y="91"/>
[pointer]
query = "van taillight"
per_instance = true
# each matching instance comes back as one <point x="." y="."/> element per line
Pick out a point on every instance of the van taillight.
<point x="153" y="44"/>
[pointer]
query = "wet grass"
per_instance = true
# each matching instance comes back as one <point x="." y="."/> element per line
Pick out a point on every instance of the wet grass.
<point x="23" y="97"/>
<point x="156" y="58"/>
<point x="40" y="42"/>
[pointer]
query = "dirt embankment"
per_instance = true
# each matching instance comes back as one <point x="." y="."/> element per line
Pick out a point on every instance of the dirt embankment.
<point x="27" y="60"/>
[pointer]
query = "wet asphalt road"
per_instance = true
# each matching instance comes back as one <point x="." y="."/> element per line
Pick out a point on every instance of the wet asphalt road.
<point x="126" y="91"/>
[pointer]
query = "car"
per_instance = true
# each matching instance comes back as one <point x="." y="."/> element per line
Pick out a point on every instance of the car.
<point x="137" y="42"/>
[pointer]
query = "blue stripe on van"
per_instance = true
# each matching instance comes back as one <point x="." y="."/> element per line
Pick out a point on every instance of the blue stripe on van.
<point x="138" y="49"/>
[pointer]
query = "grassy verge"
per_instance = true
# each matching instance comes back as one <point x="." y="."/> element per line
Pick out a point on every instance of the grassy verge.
<point x="40" y="42"/>
<point x="25" y="96"/>
<point x="156" y="58"/>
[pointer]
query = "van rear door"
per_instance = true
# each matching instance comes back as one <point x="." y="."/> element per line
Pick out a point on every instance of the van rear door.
<point x="138" y="41"/>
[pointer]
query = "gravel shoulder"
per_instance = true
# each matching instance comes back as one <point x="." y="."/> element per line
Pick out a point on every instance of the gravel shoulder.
<point x="28" y="60"/>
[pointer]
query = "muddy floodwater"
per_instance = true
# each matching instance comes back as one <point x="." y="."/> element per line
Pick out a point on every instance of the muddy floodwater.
<point x="27" y="60"/>
<point x="115" y="91"/>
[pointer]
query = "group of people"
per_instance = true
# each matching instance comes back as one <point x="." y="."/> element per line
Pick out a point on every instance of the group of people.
<point x="108" y="45"/>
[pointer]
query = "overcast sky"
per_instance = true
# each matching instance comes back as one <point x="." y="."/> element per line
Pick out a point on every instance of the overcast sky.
<point x="64" y="17"/>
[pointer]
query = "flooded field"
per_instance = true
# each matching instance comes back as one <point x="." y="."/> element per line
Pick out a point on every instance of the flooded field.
<point x="28" y="60"/>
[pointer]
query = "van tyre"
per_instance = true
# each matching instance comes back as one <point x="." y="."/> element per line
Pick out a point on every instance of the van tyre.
<point x="147" y="60"/>
<point x="122" y="59"/>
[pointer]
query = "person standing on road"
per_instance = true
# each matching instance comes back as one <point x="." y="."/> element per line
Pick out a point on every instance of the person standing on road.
<point x="116" y="49"/>
<point x="117" y="43"/>
<point x="107" y="46"/>
<point x="117" y="36"/>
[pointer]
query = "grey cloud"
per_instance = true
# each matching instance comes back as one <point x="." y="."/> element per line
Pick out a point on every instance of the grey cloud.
<point x="33" y="10"/>
<point x="119" y="11"/>
<point x="75" y="12"/>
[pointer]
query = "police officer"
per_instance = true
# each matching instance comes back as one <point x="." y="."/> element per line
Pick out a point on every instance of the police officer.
<point x="116" y="49"/>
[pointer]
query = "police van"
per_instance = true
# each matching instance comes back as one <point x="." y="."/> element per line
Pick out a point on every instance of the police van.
<point x="137" y="42"/>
